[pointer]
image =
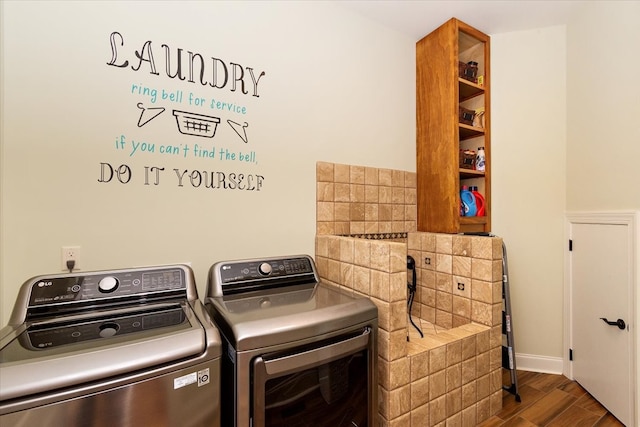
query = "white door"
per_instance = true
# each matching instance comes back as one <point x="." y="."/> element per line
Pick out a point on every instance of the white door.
<point x="601" y="286"/>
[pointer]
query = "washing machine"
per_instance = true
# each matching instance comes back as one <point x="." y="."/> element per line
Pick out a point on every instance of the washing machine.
<point x="296" y="351"/>
<point x="128" y="347"/>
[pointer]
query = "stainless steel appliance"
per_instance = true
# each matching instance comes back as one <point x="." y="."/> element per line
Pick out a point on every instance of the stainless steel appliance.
<point x="131" y="347"/>
<point x="296" y="351"/>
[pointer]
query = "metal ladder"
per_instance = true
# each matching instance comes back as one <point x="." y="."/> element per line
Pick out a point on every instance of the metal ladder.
<point x="508" y="345"/>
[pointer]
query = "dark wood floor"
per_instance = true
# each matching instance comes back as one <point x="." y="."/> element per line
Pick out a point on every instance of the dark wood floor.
<point x="550" y="400"/>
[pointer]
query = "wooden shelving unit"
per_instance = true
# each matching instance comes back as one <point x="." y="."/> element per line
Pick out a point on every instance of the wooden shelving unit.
<point x="440" y="91"/>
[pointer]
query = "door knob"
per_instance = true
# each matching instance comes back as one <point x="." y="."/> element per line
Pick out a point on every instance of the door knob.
<point x="619" y="323"/>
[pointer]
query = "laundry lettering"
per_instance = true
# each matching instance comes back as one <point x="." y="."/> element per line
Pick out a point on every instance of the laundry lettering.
<point x="191" y="67"/>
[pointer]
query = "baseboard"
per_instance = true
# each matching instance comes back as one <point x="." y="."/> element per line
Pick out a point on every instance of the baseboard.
<point x="534" y="363"/>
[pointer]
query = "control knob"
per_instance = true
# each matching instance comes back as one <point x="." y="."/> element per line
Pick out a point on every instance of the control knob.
<point x="108" y="284"/>
<point x="265" y="268"/>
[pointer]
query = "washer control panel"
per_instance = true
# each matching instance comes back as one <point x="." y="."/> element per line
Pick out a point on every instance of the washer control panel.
<point x="242" y="271"/>
<point x="101" y="285"/>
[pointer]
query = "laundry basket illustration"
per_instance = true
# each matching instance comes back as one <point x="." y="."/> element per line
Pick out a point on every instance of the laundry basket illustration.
<point x="196" y="124"/>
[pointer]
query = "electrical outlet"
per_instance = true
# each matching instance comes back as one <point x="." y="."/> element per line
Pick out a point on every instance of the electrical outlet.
<point x="70" y="253"/>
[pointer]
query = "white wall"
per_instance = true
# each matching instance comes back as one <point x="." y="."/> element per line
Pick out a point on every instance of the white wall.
<point x="603" y="120"/>
<point x="337" y="88"/>
<point x="529" y="178"/>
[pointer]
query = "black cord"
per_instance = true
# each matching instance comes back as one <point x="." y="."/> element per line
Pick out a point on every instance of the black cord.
<point x="70" y="265"/>
<point x="411" y="265"/>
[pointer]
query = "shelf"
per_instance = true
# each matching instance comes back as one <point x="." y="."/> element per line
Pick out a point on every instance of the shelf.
<point x="467" y="131"/>
<point x="468" y="89"/>
<point x="470" y="173"/>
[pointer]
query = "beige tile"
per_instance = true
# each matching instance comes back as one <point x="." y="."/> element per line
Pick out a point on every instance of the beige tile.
<point x="380" y="256"/>
<point x="324" y="211"/>
<point x="385" y="212"/>
<point x="398" y="344"/>
<point x="342" y="192"/>
<point x="324" y="171"/>
<point x="454" y="420"/>
<point x="397" y="178"/>
<point x="362" y="252"/>
<point x="420" y="416"/>
<point x="371" y="227"/>
<point x="438" y="384"/>
<point x="495" y="336"/>
<point x="414" y="243"/>
<point x="461" y="266"/>
<point x="469" y="416"/>
<point x="385" y="196"/>
<point x="401" y="421"/>
<point x="427" y="278"/>
<point x="497" y="248"/>
<point x="462" y="245"/>
<point x="356" y="227"/>
<point x="398" y="287"/>
<point x="460" y="321"/>
<point x="454" y="402"/>
<point x="454" y="353"/>
<point x="399" y="373"/>
<point x="496" y="402"/>
<point x="398" y="257"/>
<point x="469" y="347"/>
<point x="444" y="301"/>
<point x="428" y="313"/>
<point x="356" y="211"/>
<point x="383" y="373"/>
<point x="356" y="174"/>
<point x="495" y="380"/>
<point x="483" y="410"/>
<point x="496" y="271"/>
<point x="437" y="410"/>
<point x="341" y="173"/>
<point x="454" y="377"/>
<point x="325" y="227"/>
<point x="444" y="244"/>
<point x="356" y="192"/>
<point x="419" y="365"/>
<point x="346" y="275"/>
<point x="397" y="195"/>
<point x="398" y="315"/>
<point x="380" y="285"/>
<point x="428" y="297"/>
<point x="371" y="211"/>
<point x="483" y="366"/>
<point x="462" y="307"/>
<point x="461" y="286"/>
<point x="429" y="242"/>
<point x="347" y="249"/>
<point x="495" y="358"/>
<point x="482" y="387"/>
<point x="443" y="282"/>
<point x="481" y="247"/>
<point x="385" y="226"/>
<point x="342" y="228"/>
<point x="322" y="267"/>
<point x="444" y="263"/>
<point x="371" y="176"/>
<point x="324" y="191"/>
<point x="384" y="345"/>
<point x="444" y="319"/>
<point x="410" y="212"/>
<point x="438" y="359"/>
<point x="481" y="313"/>
<point x="371" y="194"/>
<point x="410" y="196"/>
<point x="482" y="291"/>
<point x="397" y="212"/>
<point x="342" y="211"/>
<point x="383" y="401"/>
<point x="410" y="179"/>
<point x="428" y="260"/>
<point x="483" y="341"/>
<point x="469" y="396"/>
<point x="384" y="314"/>
<point x="482" y="269"/>
<point x="385" y="177"/>
<point x="468" y="370"/>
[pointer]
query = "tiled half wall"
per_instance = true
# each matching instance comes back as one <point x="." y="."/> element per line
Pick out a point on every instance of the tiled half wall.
<point x="453" y="375"/>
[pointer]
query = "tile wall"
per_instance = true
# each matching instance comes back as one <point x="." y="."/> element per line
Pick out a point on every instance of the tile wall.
<point x="452" y="376"/>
